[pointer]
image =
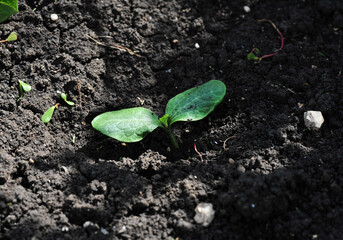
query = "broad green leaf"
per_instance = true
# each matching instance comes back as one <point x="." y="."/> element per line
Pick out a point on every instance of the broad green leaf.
<point x="127" y="125"/>
<point x="7" y="8"/>
<point x="12" y="37"/>
<point x="48" y="114"/>
<point x="26" y="87"/>
<point x="64" y="97"/>
<point x="195" y="103"/>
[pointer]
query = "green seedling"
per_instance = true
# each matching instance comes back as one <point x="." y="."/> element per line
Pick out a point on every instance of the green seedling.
<point x="23" y="87"/>
<point x="133" y="124"/>
<point x="12" y="37"/>
<point x="64" y="97"/>
<point x="252" y="56"/>
<point x="7" y="8"/>
<point x="46" y="117"/>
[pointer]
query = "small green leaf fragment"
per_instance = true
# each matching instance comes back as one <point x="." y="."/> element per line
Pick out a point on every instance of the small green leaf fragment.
<point x="21" y="93"/>
<point x="26" y="87"/>
<point x="70" y="103"/>
<point x="252" y="56"/>
<point x="164" y="120"/>
<point x="196" y="103"/>
<point x="23" y="87"/>
<point x="64" y="97"/>
<point x="46" y="117"/>
<point x="127" y="125"/>
<point x="257" y="50"/>
<point x="321" y="54"/>
<point x="12" y="37"/>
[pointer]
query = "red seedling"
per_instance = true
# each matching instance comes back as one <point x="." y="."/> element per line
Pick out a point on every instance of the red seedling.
<point x="196" y="150"/>
<point x="252" y="56"/>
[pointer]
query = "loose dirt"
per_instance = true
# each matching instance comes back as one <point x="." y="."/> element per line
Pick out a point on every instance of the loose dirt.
<point x="267" y="176"/>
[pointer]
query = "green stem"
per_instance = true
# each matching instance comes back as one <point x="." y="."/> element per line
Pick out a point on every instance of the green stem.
<point x="172" y="138"/>
<point x="21" y="93"/>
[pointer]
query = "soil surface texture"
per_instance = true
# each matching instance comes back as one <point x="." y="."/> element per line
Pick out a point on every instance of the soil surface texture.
<point x="267" y="175"/>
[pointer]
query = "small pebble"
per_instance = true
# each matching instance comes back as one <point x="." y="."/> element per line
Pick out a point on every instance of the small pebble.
<point x="54" y="17"/>
<point x="313" y="119"/>
<point x="231" y="161"/>
<point x="65" y="229"/>
<point x="31" y="161"/>
<point x="123" y="229"/>
<point x="241" y="169"/>
<point x="104" y="231"/>
<point x="197" y="45"/>
<point x="90" y="225"/>
<point x="246" y="9"/>
<point x="65" y="169"/>
<point x="204" y="214"/>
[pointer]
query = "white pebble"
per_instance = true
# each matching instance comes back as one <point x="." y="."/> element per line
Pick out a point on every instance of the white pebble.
<point x="65" y="229"/>
<point x="197" y="45"/>
<point x="104" y="231"/>
<point x="204" y="214"/>
<point x="90" y="224"/>
<point x="246" y="9"/>
<point x="313" y="119"/>
<point x="54" y="17"/>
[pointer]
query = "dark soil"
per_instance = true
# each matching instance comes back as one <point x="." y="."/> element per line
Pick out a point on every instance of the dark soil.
<point x="266" y="174"/>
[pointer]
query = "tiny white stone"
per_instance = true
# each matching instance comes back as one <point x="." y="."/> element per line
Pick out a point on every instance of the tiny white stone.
<point x="313" y="119"/>
<point x="87" y="224"/>
<point x="197" y="45"/>
<point x="123" y="229"/>
<point x="246" y="9"/>
<point x="90" y="224"/>
<point x="65" y="229"/>
<point x="204" y="214"/>
<point x="104" y="231"/>
<point x="65" y="169"/>
<point x="54" y="17"/>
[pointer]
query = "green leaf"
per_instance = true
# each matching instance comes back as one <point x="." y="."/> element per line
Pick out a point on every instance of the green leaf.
<point x="26" y="87"/>
<point x="252" y="56"/>
<point x="7" y="8"/>
<point x="12" y="37"/>
<point x="195" y="103"/>
<point x="64" y="97"/>
<point x="23" y="87"/>
<point x="48" y="114"/>
<point x="127" y="125"/>
<point x="164" y="120"/>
